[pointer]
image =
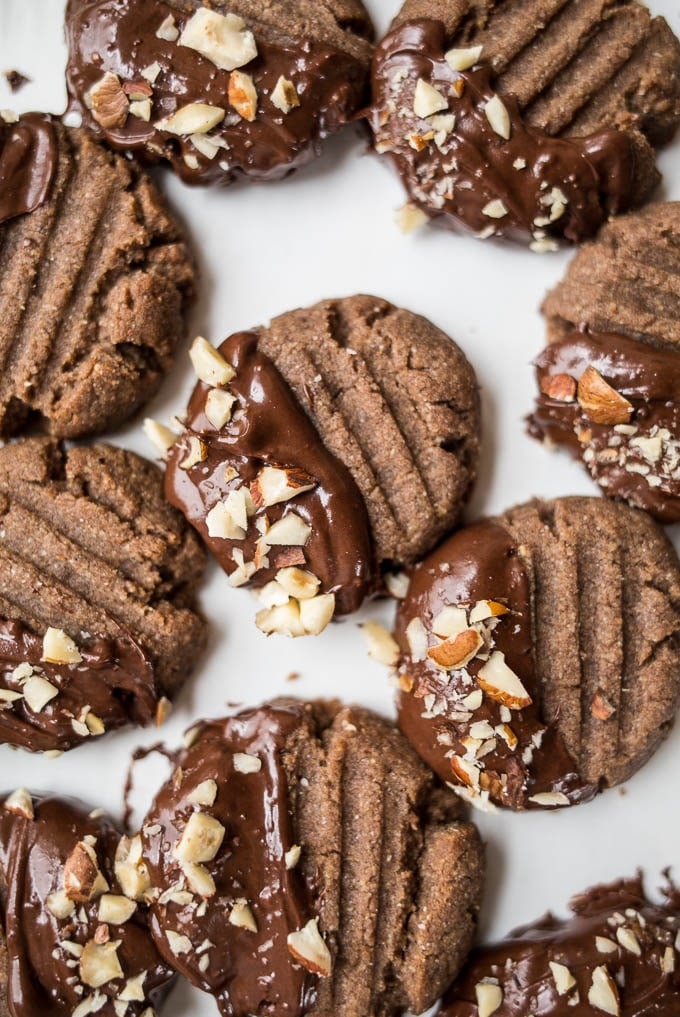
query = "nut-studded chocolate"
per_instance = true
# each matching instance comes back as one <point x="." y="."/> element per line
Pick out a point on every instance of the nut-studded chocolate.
<point x="609" y="378"/>
<point x="341" y="437"/>
<point x="539" y="652"/>
<point x="560" y="79"/>
<point x="305" y="863"/>
<point x="97" y="624"/>
<point x="617" y="954"/>
<point x="223" y="89"/>
<point x="74" y="944"/>
<point x="96" y="282"/>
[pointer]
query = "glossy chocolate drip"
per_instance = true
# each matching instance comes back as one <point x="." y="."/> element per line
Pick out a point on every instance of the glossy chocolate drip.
<point x="480" y="563"/>
<point x="269" y="427"/>
<point x="115" y="679"/>
<point x="28" y="163"/>
<point x="549" y="187"/>
<point x="646" y="985"/>
<point x="120" y="36"/>
<point x="248" y="972"/>
<point x="639" y="461"/>
<point x="43" y="980"/>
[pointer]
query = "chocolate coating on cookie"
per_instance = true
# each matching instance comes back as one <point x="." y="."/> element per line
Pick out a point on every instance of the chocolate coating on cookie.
<point x="274" y="82"/>
<point x="469" y="701"/>
<point x="266" y="847"/>
<point x="28" y="163"/>
<point x="615" y="403"/>
<point x="616" y="954"/>
<point x="95" y="285"/>
<point x="97" y="573"/>
<point x="609" y="379"/>
<point x="268" y="457"/>
<point x="539" y="658"/>
<point x="468" y="158"/>
<point x="70" y="933"/>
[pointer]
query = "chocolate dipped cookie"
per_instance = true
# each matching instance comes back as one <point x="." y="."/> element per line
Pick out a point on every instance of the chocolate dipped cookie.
<point x="539" y="652"/>
<point x="74" y="937"/>
<point x="95" y="284"/>
<point x="342" y="437"/>
<point x="223" y="89"/>
<point x="616" y="954"/>
<point x="307" y="864"/>
<point x="525" y="120"/>
<point x="609" y="378"/>
<point x="98" y="625"/>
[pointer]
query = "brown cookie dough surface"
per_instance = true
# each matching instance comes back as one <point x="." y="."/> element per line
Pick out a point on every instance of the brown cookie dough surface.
<point x="609" y="379"/>
<point x="219" y="90"/>
<point x="540" y="652"/>
<point x="615" y="954"/>
<point x="95" y="284"/>
<point x="321" y="870"/>
<point x="74" y="938"/>
<point x="370" y="414"/>
<point x="98" y="625"/>
<point x="521" y="119"/>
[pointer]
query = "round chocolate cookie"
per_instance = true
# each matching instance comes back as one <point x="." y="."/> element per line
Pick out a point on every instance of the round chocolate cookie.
<point x="617" y="954"/>
<point x="539" y="652"/>
<point x="609" y="379"/>
<point x="343" y="437"/>
<point x="225" y="89"/>
<point x="75" y="938"/>
<point x="96" y="280"/>
<point x="97" y="576"/>
<point x="308" y="864"/>
<point x="525" y="119"/>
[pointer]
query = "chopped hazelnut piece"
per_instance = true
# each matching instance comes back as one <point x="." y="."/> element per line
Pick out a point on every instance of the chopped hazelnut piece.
<point x="495" y="209"/>
<point x="463" y="59"/>
<point x="428" y="100"/>
<point x="416" y="634"/>
<point x="382" y="646"/>
<point x="292" y="857"/>
<point x="498" y="117"/>
<point x="561" y="387"/>
<point x="222" y="525"/>
<point x="274" y="485"/>
<point x="60" y="905"/>
<point x="243" y="95"/>
<point x="99" y="963"/>
<point x="115" y="909"/>
<point x="601" y="708"/>
<point x="209" y="364"/>
<point x="204" y="793"/>
<point x="38" y="692"/>
<point x="450" y="622"/>
<point x="133" y="990"/>
<point x="502" y="684"/>
<point x="245" y="762"/>
<point x="563" y="978"/>
<point x="196" y="453"/>
<point x="108" y="102"/>
<point x="83" y="880"/>
<point x="178" y="944"/>
<point x="141" y="108"/>
<point x="218" y="407"/>
<point x="316" y="614"/>
<point x="456" y="651"/>
<point x="160" y="436"/>
<point x="308" y="947"/>
<point x="410" y="218"/>
<point x="603" y="993"/>
<point x="168" y="30"/>
<point x="201" y="839"/>
<point x="599" y="401"/>
<point x="130" y="869"/>
<point x="290" y="530"/>
<point x="298" y="583"/>
<point x="20" y="803"/>
<point x="549" y="799"/>
<point x="241" y="915"/>
<point x="283" y="620"/>
<point x="221" y="38"/>
<point x="195" y="118"/>
<point x="58" y="648"/>
<point x="284" y="95"/>
<point x="628" y="940"/>
<point x="199" y="879"/>
<point x="605" y="945"/>
<point x="489" y="998"/>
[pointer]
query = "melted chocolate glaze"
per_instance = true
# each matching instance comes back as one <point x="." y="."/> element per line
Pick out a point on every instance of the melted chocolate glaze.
<point x="647" y="985"/>
<point x="29" y="156"/>
<point x="269" y="427"/>
<point x="248" y="973"/>
<point x="115" y="679"/>
<point x="42" y="979"/>
<point x="620" y="459"/>
<point x="549" y="187"/>
<point x="120" y="36"/>
<point x="481" y="562"/>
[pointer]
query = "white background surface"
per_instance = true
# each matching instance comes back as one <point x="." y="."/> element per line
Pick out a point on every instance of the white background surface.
<point x="330" y="231"/>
